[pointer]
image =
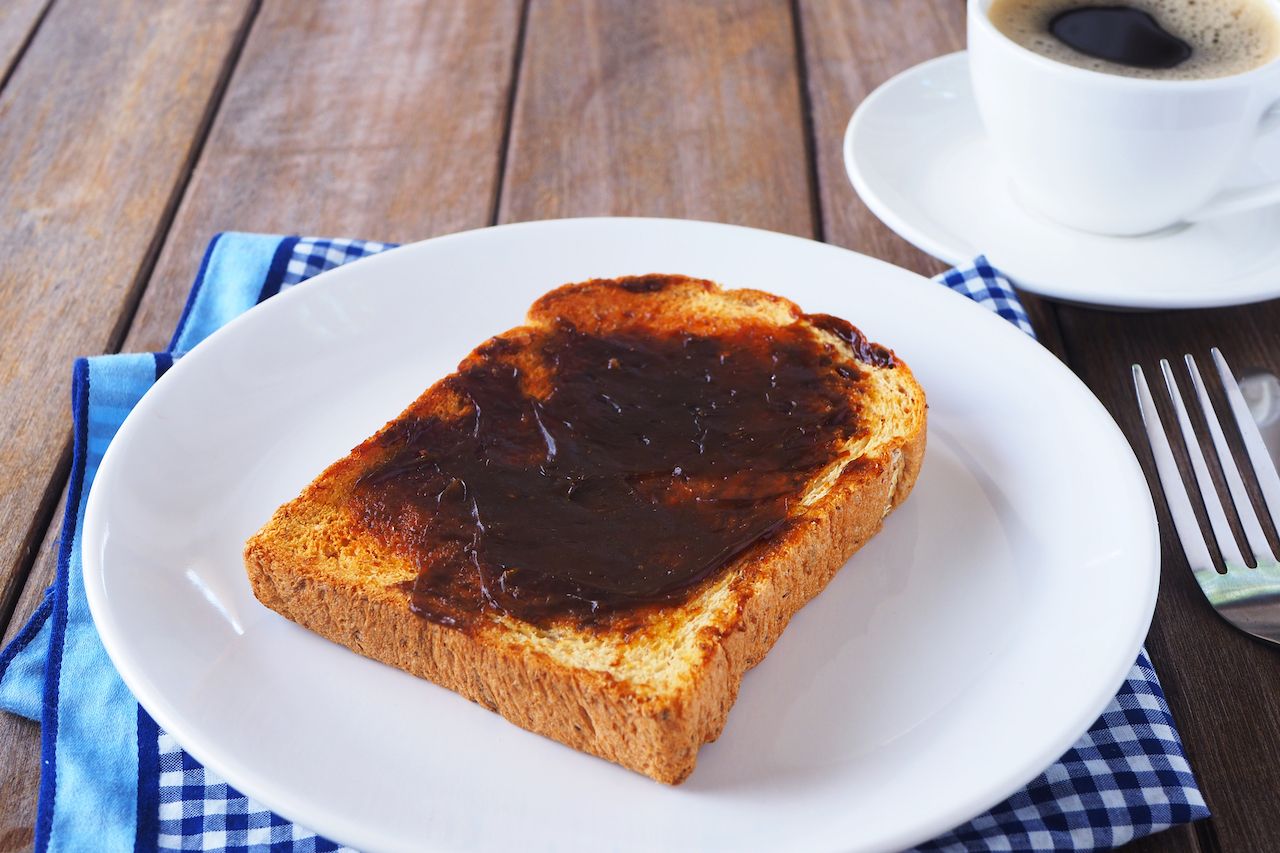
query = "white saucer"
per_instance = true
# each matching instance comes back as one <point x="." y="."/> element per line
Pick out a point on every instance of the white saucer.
<point x="917" y="155"/>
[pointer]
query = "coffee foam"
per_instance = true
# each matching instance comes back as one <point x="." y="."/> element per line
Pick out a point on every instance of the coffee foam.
<point x="1226" y="36"/>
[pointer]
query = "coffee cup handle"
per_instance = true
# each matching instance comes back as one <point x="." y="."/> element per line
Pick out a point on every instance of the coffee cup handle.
<point x="1245" y="198"/>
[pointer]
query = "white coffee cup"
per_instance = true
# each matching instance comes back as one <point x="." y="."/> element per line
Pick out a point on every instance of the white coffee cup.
<point x="1119" y="155"/>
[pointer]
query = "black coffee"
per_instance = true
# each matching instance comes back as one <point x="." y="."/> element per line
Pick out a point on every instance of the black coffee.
<point x="1164" y="39"/>
<point x="1119" y="34"/>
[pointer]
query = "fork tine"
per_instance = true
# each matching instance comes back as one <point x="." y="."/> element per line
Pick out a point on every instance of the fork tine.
<point x="1175" y="491"/>
<point x="1268" y="478"/>
<point x="1208" y="493"/>
<point x="1244" y="507"/>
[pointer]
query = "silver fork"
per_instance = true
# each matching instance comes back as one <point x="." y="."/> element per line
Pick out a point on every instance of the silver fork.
<point x="1247" y="597"/>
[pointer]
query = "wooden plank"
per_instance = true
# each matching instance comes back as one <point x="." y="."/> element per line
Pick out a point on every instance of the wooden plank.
<point x="850" y="49"/>
<point x="378" y="120"/>
<point x="661" y="108"/>
<point x="1221" y="684"/>
<point x="94" y="140"/>
<point x="19" y="782"/>
<point x="1178" y="839"/>
<point x="18" y="22"/>
<point x="19" y="737"/>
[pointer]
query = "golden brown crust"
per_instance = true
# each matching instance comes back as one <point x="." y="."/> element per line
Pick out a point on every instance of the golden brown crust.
<point x="315" y="568"/>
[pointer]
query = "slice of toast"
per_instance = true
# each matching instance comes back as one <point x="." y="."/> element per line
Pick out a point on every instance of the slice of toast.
<point x="640" y="671"/>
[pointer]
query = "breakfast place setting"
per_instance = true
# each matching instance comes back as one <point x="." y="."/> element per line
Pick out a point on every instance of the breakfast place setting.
<point x="567" y="425"/>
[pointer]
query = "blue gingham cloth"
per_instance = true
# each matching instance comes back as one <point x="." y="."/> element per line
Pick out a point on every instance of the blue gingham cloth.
<point x="113" y="780"/>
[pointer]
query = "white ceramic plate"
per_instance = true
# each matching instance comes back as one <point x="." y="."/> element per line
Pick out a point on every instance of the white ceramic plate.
<point x="917" y="155"/>
<point x="960" y="653"/>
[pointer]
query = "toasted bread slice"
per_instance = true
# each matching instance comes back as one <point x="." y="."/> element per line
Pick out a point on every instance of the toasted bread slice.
<point x="642" y="686"/>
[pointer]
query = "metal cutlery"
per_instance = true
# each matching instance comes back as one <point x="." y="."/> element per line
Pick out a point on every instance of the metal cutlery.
<point x="1245" y="590"/>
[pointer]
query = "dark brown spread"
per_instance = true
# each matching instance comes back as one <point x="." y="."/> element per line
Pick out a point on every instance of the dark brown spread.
<point x="628" y="470"/>
<point x="866" y="351"/>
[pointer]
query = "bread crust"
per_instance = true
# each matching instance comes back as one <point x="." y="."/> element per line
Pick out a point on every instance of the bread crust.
<point x="300" y="563"/>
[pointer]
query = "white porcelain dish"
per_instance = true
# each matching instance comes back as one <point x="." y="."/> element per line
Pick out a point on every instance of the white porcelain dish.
<point x="960" y="653"/>
<point x="917" y="155"/>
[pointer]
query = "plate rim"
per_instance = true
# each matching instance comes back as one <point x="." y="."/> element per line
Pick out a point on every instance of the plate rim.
<point x="335" y="826"/>
<point x="960" y="253"/>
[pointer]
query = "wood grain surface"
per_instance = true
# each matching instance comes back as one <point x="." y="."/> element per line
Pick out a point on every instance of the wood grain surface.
<point x="663" y="108"/>
<point x="380" y="120"/>
<point x="19" y="782"/>
<point x="97" y="124"/>
<point x="18" y="22"/>
<point x="849" y="49"/>
<point x="19" y="737"/>
<point x="130" y="133"/>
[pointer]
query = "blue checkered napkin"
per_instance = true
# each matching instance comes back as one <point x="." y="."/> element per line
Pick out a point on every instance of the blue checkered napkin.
<point x="308" y="256"/>
<point x="198" y="811"/>
<point x="114" y="781"/>
<point x="983" y="284"/>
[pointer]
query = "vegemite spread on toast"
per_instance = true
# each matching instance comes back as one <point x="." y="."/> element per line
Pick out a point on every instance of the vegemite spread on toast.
<point x="585" y="476"/>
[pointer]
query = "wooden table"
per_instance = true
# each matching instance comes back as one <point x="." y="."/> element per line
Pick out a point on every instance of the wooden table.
<point x="131" y="132"/>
